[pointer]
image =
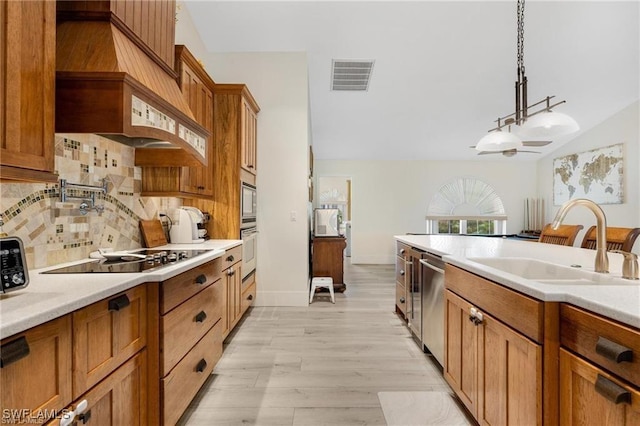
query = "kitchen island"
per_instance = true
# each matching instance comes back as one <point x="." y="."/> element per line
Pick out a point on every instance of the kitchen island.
<point x="532" y="334"/>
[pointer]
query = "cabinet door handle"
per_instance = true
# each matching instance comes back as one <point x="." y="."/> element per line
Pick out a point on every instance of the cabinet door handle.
<point x="250" y="297"/>
<point x="231" y="272"/>
<point x="13" y="351"/>
<point x="201" y="279"/>
<point x="201" y="316"/>
<point x="402" y="251"/>
<point x="119" y="302"/>
<point x="612" y="391"/>
<point x="402" y="272"/>
<point x="85" y="417"/>
<point x="613" y="351"/>
<point x="402" y="300"/>
<point x="201" y="366"/>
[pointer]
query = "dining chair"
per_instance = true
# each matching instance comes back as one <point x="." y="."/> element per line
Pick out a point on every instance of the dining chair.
<point x="617" y="238"/>
<point x="565" y="235"/>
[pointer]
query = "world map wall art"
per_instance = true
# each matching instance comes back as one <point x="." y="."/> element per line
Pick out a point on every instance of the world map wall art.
<point x="596" y="175"/>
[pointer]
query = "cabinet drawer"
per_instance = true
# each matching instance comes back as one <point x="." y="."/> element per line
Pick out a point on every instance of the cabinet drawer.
<point x="39" y="379"/>
<point x="602" y="341"/>
<point x="401" y="249"/>
<point x="592" y="396"/>
<point x="231" y="257"/>
<point x="521" y="312"/>
<point x="181" y="287"/>
<point x="248" y="297"/>
<point x="401" y="298"/>
<point x="181" y="385"/>
<point x="400" y="270"/>
<point x="185" y="325"/>
<point x="106" y="334"/>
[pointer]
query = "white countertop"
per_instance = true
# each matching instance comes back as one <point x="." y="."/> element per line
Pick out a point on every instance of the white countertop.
<point x="618" y="299"/>
<point x="53" y="295"/>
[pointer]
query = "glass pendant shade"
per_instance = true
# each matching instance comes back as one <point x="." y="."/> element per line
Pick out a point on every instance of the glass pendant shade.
<point x="499" y="141"/>
<point x="548" y="125"/>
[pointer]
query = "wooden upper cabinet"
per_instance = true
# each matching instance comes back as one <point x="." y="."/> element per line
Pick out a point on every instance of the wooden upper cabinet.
<point x="27" y="90"/>
<point x="196" y="181"/>
<point x="249" y="137"/>
<point x="155" y="36"/>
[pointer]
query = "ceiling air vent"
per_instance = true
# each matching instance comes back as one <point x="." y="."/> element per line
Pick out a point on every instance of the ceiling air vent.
<point x="351" y="74"/>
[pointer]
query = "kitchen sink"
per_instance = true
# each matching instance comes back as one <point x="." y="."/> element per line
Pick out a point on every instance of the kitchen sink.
<point x="546" y="272"/>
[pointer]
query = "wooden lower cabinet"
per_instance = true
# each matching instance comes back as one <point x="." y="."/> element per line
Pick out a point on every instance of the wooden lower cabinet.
<point x="232" y="278"/>
<point x="461" y="351"/>
<point x="495" y="371"/>
<point x="120" y="399"/>
<point x="105" y="334"/>
<point x="589" y="395"/>
<point x="181" y="385"/>
<point x="509" y="376"/>
<point x="35" y="376"/>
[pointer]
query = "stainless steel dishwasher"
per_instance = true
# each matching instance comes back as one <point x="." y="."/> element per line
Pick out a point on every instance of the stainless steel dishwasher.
<point x="432" y="274"/>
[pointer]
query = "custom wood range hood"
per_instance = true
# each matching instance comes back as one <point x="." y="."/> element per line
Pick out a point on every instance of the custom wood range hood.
<point x="110" y="82"/>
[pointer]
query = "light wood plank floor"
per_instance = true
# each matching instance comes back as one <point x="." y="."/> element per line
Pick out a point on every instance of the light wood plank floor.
<point x="322" y="364"/>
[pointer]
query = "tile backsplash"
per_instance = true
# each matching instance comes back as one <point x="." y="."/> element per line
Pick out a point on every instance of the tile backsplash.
<point x="54" y="232"/>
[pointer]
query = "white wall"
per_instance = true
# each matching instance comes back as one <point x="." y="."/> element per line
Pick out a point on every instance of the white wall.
<point x="391" y="197"/>
<point x="622" y="127"/>
<point x="279" y="83"/>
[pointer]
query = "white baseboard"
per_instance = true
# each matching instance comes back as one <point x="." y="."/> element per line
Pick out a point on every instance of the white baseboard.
<point x="281" y="298"/>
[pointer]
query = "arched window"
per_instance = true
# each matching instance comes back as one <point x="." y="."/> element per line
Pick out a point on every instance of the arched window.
<point x="466" y="205"/>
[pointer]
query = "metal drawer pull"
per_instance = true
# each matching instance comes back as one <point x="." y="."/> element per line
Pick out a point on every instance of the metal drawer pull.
<point x="201" y="366"/>
<point x="230" y="258"/>
<point x="201" y="316"/>
<point x="119" y="302"/>
<point x="402" y="300"/>
<point x="613" y="351"/>
<point x="13" y="351"/>
<point x="402" y="272"/>
<point x="612" y="391"/>
<point x="250" y="297"/>
<point x="201" y="279"/>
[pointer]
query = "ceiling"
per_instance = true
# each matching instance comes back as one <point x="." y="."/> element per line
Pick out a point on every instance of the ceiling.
<point x="444" y="70"/>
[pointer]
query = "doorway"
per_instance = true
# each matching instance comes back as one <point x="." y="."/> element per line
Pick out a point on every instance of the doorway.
<point x="335" y="192"/>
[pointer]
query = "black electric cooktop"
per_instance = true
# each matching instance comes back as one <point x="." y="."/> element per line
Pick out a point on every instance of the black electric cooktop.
<point x="154" y="259"/>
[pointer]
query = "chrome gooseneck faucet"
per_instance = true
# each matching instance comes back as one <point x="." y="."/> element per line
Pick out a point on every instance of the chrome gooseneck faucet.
<point x="602" y="261"/>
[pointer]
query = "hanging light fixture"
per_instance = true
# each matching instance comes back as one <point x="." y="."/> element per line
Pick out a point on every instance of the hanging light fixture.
<point x="532" y="121"/>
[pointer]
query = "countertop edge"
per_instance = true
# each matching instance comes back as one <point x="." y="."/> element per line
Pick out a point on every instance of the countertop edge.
<point x="604" y="300"/>
<point x="23" y="318"/>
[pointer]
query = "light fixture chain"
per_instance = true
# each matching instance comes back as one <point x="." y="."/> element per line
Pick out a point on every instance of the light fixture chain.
<point x="520" y="13"/>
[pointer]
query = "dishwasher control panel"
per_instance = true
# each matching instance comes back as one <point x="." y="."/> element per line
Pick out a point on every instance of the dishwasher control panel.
<point x="13" y="267"/>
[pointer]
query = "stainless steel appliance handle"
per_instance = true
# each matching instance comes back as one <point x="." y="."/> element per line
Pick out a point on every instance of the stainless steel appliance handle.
<point x="435" y="268"/>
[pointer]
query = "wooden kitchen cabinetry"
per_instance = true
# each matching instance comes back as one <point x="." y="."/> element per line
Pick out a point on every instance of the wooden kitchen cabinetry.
<point x="35" y="371"/>
<point x="95" y="354"/>
<point x="493" y="350"/>
<point x="27" y="90"/>
<point x="231" y="270"/>
<point x="105" y="335"/>
<point x="249" y="137"/>
<point x="185" y="182"/>
<point x="235" y="121"/>
<point x="599" y="370"/>
<point x="401" y="279"/>
<point x="327" y="259"/>
<point x="186" y="338"/>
